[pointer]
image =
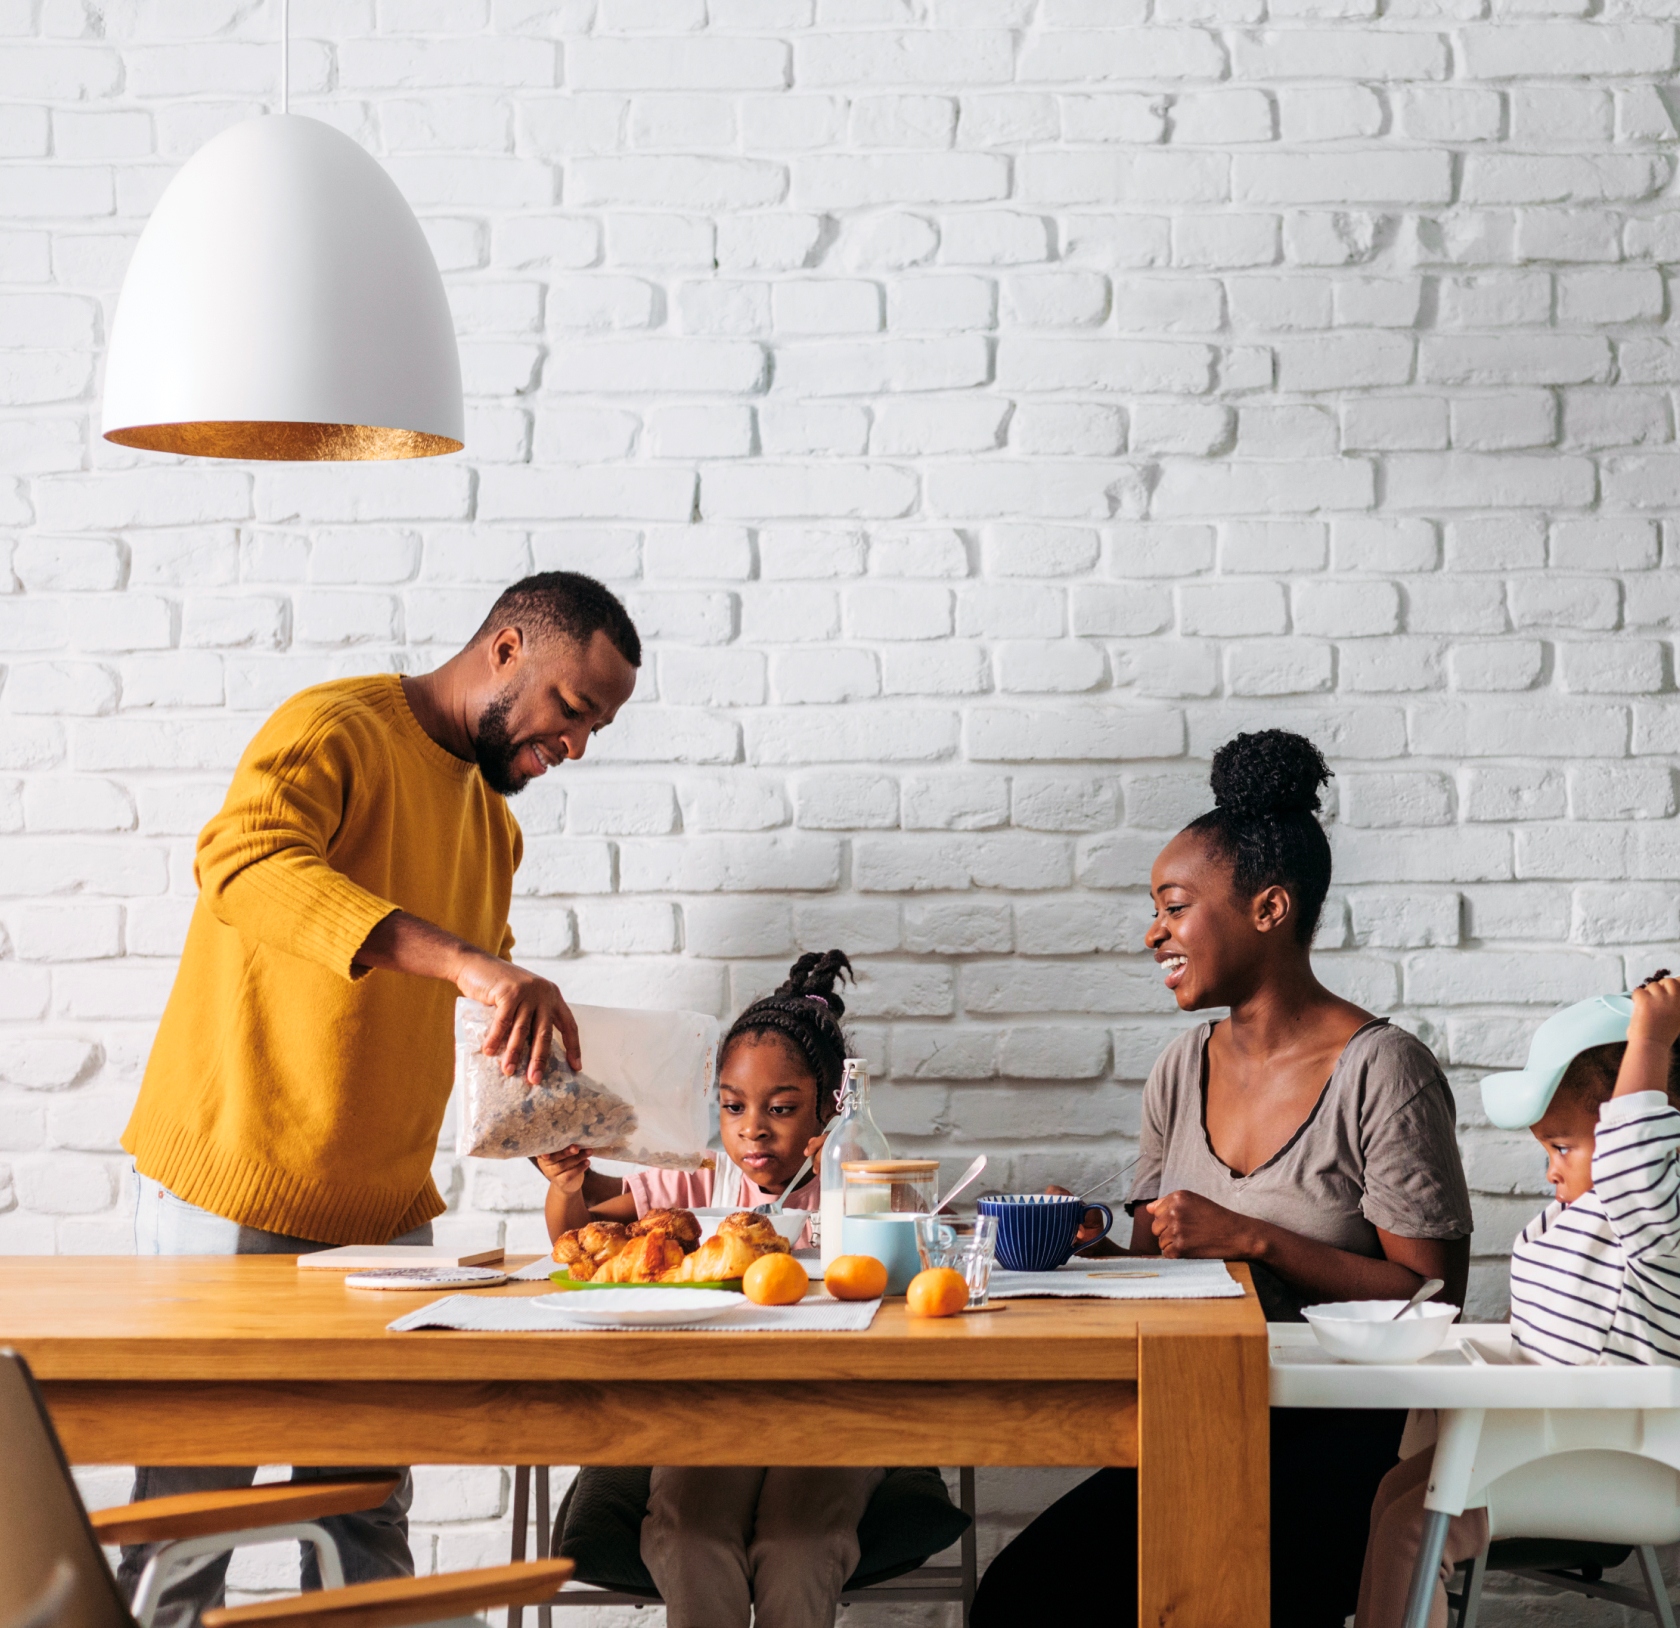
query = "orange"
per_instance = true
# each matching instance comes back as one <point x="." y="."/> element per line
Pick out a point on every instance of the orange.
<point x="937" y="1293"/>
<point x="855" y="1277"/>
<point x="775" y="1280"/>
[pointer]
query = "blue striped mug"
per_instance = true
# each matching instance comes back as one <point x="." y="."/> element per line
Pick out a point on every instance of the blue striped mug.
<point x="1035" y="1230"/>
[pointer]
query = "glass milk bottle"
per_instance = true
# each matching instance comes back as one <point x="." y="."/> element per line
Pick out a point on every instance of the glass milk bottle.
<point x="852" y="1135"/>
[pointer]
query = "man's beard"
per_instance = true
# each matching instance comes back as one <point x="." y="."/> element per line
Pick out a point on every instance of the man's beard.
<point x="494" y="748"/>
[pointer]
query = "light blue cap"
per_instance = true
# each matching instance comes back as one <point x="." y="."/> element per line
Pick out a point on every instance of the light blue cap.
<point x="1515" y="1101"/>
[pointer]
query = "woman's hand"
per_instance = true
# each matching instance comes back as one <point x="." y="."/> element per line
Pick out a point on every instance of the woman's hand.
<point x="564" y="1170"/>
<point x="1190" y="1227"/>
<point x="1090" y="1224"/>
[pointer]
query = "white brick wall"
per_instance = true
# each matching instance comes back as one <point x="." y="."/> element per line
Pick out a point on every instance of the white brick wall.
<point x="986" y="407"/>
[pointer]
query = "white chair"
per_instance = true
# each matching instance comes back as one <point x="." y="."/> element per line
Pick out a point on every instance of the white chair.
<point x="1570" y="1475"/>
<point x="52" y="1574"/>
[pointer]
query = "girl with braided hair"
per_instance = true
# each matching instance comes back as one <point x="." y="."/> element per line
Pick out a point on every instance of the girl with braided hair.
<point x="725" y="1543"/>
<point x="778" y="1076"/>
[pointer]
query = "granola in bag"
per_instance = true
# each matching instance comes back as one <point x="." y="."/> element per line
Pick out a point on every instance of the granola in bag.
<point x="503" y="1116"/>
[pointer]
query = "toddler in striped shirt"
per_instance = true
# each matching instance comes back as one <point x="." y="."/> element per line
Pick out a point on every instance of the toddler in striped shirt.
<point x="1595" y="1277"/>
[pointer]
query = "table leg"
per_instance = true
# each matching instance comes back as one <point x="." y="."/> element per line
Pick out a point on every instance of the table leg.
<point x="1424" y="1574"/>
<point x="1204" y="1497"/>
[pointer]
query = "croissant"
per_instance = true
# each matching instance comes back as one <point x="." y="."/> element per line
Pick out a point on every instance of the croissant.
<point x="756" y="1229"/>
<point x="678" y="1224"/>
<point x="571" y="1254"/>
<point x="601" y="1240"/>
<point x="643" y="1260"/>
<point x="721" y="1256"/>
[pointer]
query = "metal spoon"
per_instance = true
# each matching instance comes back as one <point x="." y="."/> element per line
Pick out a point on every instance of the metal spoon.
<point x="1431" y="1287"/>
<point x="1109" y="1181"/>
<point x="775" y="1205"/>
<point x="967" y="1176"/>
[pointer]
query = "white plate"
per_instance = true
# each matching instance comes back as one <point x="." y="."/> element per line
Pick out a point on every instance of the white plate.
<point x="426" y="1277"/>
<point x="642" y="1308"/>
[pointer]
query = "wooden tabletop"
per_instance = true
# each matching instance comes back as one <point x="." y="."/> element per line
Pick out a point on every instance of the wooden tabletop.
<point x="257" y="1317"/>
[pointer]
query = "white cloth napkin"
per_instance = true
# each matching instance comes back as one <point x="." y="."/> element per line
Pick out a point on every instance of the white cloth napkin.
<point x="507" y="1314"/>
<point x="537" y="1272"/>
<point x="1111" y="1279"/>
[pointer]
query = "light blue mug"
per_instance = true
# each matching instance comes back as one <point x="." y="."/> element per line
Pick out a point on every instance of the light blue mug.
<point x="891" y="1239"/>
<point x="1036" y="1230"/>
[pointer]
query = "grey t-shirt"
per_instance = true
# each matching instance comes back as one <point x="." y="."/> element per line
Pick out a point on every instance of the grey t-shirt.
<point x="1379" y="1148"/>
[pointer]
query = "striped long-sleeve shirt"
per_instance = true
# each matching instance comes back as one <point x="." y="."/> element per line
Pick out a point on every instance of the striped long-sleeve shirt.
<point x="1599" y="1280"/>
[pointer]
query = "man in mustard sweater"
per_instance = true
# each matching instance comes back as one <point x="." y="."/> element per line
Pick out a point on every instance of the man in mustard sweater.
<point x="357" y="877"/>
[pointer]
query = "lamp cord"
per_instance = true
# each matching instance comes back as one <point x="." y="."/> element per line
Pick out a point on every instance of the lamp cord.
<point x="285" y="56"/>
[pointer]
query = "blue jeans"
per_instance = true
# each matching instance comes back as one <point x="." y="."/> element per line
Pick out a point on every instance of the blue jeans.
<point x="373" y="1543"/>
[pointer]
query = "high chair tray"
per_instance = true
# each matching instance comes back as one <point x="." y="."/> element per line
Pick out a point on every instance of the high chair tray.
<point x="1304" y="1375"/>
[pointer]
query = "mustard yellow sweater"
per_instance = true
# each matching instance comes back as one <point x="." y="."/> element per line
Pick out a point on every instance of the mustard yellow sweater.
<point x="285" y="1090"/>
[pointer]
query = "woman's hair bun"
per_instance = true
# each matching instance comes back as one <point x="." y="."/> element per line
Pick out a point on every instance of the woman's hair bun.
<point x="814" y="977"/>
<point x="1268" y="773"/>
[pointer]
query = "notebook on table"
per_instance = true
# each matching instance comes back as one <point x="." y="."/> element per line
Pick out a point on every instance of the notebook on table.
<point x="367" y="1257"/>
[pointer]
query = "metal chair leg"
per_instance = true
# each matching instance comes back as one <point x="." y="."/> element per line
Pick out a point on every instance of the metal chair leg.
<point x="167" y="1560"/>
<point x="1655" y="1587"/>
<point x="545" y="1536"/>
<point x="1471" y="1599"/>
<point x="521" y="1503"/>
<point x="970" y="1540"/>
<point x="1424" y="1578"/>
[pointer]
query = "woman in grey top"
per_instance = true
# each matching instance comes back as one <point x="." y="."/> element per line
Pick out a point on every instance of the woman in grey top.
<point x="1300" y="1134"/>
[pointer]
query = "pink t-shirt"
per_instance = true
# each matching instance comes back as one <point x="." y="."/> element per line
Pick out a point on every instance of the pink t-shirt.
<point x="692" y="1190"/>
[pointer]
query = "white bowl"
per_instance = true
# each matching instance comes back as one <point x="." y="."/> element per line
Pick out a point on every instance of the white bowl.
<point x="789" y="1223"/>
<point x="1365" y="1330"/>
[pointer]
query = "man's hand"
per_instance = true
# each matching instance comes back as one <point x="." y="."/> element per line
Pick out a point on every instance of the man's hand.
<point x="528" y="1010"/>
<point x="564" y="1170"/>
<point x="1190" y="1227"/>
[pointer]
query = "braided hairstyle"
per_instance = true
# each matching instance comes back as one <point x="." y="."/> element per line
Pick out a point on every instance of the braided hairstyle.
<point x="804" y="1014"/>
<point x="1265" y="793"/>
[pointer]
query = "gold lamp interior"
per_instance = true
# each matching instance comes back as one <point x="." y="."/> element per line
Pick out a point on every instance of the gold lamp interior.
<point x="283" y="442"/>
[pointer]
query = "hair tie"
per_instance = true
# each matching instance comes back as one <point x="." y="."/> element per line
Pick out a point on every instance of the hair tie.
<point x="821" y="999"/>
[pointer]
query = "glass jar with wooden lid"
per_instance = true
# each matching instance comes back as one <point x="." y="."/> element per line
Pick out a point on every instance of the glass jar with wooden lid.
<point x="890" y="1186"/>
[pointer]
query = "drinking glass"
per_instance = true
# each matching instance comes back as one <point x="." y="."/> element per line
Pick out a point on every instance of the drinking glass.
<point x="966" y="1244"/>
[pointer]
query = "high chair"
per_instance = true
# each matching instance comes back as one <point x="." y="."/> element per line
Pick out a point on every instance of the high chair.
<point x="1573" y="1476"/>
<point x="52" y="1574"/>
<point x="1576" y="1568"/>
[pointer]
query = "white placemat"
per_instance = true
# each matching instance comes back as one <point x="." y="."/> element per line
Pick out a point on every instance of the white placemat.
<point x="537" y="1271"/>
<point x="1102" y="1280"/>
<point x="508" y="1314"/>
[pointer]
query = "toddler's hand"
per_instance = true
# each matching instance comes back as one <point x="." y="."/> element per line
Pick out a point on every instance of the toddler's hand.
<point x="1656" y="1012"/>
<point x="566" y="1169"/>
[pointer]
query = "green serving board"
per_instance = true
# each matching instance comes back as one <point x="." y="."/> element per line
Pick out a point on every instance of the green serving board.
<point x="566" y="1281"/>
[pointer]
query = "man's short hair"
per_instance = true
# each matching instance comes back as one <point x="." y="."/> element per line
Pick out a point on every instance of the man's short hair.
<point x="567" y="605"/>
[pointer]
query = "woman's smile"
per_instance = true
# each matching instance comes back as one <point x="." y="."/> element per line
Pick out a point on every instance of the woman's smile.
<point x="1175" y="968"/>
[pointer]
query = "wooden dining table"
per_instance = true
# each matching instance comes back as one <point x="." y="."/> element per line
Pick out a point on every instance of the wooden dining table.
<point x="250" y="1360"/>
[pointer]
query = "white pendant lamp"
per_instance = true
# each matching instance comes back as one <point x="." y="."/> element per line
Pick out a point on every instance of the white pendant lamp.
<point x="283" y="303"/>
